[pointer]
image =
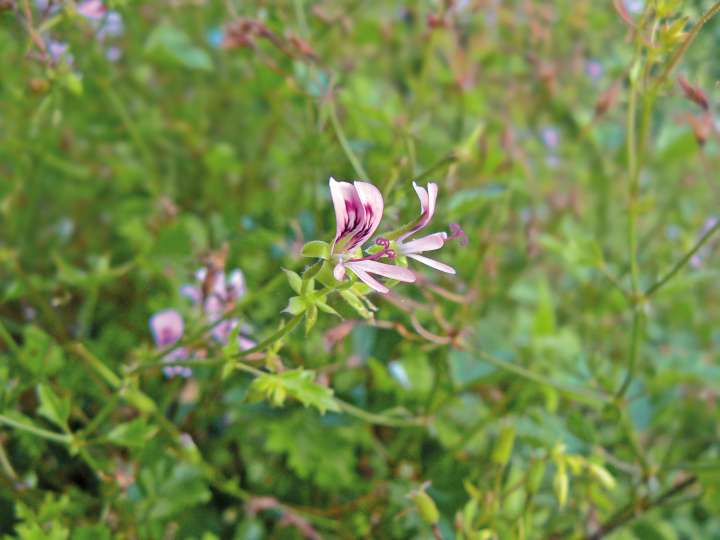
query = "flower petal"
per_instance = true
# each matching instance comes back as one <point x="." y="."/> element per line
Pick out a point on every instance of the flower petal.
<point x="388" y="270"/>
<point x="191" y="292"/>
<point x="427" y="197"/>
<point x="167" y="327"/>
<point x="373" y="206"/>
<point x="369" y="280"/>
<point x="433" y="263"/>
<point x="92" y="9"/>
<point x="235" y="285"/>
<point x="339" y="271"/>
<point x="430" y="242"/>
<point x="349" y="211"/>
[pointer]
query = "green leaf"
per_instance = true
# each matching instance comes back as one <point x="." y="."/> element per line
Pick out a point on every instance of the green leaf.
<point x="354" y="301"/>
<point x="298" y="384"/>
<point x="324" y="453"/>
<point x="40" y="354"/>
<point x="52" y="407"/>
<point x="294" y="279"/>
<point x="311" y="316"/>
<point x="171" y="45"/>
<point x="317" y="249"/>
<point x="133" y="434"/>
<point x="296" y="305"/>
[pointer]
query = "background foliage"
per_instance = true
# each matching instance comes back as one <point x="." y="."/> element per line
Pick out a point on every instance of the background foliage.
<point x="563" y="385"/>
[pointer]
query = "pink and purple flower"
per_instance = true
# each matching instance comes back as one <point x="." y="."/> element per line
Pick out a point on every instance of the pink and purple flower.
<point x="167" y="328"/>
<point x="358" y="210"/>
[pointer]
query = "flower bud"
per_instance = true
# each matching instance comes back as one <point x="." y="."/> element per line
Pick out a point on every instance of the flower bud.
<point x="426" y="507"/>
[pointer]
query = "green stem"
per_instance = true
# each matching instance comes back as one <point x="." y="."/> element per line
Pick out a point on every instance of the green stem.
<point x="447" y="160"/>
<point x="634" y="346"/>
<point x="8" y="339"/>
<point x="354" y="161"/>
<point x="682" y="262"/>
<point x="43" y="433"/>
<point x="584" y="396"/>
<point x="379" y="419"/>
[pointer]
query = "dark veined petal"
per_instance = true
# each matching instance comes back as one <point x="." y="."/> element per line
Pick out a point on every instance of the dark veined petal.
<point x="358" y="211"/>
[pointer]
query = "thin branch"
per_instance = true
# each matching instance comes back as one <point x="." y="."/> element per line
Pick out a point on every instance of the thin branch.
<point x="682" y="262"/>
<point x="359" y="169"/>
<point x="43" y="433"/>
<point x="634" y="509"/>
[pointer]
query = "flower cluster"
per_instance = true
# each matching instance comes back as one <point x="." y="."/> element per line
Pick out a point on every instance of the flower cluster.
<point x="106" y="24"/>
<point x="358" y="211"/>
<point x="216" y="295"/>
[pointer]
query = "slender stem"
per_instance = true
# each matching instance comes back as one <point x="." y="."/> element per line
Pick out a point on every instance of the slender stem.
<point x="442" y="162"/>
<point x="5" y="463"/>
<point x="585" y="396"/>
<point x="634" y="346"/>
<point x="8" y="339"/>
<point x="100" y="368"/>
<point x="40" y="432"/>
<point x="379" y="419"/>
<point x="633" y="177"/>
<point x="683" y="261"/>
<point x="354" y="161"/>
<point x="635" y="509"/>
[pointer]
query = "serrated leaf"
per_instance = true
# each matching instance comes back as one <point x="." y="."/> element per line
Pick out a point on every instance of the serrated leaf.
<point x="298" y="384"/>
<point x="52" y="406"/>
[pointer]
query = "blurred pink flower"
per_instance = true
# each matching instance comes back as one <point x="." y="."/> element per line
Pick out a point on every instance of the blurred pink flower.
<point x="358" y="211"/>
<point x="167" y="328"/>
<point x="224" y="292"/>
<point x="92" y="9"/>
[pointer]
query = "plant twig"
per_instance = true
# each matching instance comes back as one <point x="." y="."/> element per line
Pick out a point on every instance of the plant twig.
<point x="354" y="161"/>
<point x="682" y="262"/>
<point x="40" y="432"/>
<point x="634" y="509"/>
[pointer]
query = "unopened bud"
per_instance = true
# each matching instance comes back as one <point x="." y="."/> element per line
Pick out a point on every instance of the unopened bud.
<point x="426" y="507"/>
<point x="503" y="446"/>
<point x="693" y="93"/>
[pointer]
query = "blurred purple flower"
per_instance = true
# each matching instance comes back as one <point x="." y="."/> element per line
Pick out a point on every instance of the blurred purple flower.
<point x="634" y="6"/>
<point x="358" y="211"/>
<point x="550" y="137"/>
<point x="594" y="69"/>
<point x="167" y="328"/>
<point x="59" y="51"/>
<point x="431" y="242"/>
<point x="92" y="9"/>
<point x="111" y="26"/>
<point x="224" y="292"/>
